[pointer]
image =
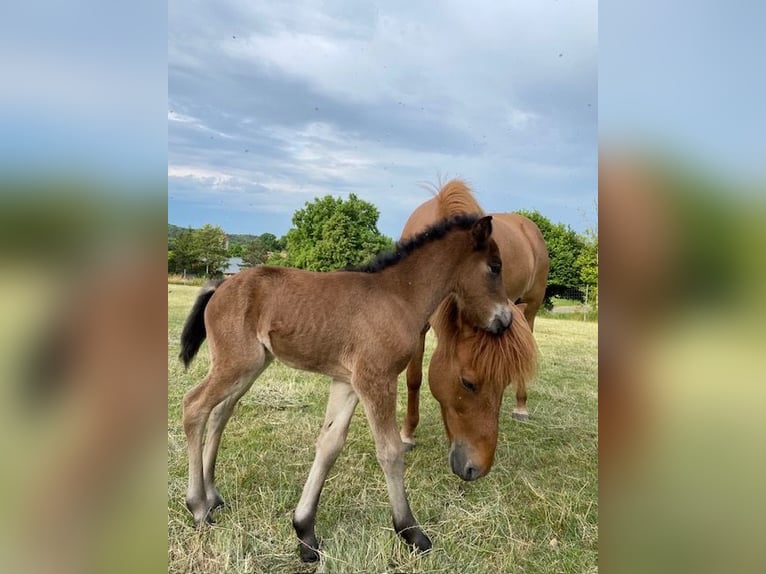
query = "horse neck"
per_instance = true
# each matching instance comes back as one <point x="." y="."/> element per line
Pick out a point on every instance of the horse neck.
<point x="427" y="275"/>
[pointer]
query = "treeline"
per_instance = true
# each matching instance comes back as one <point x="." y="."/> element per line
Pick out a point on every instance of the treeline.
<point x="206" y="251"/>
<point x="332" y="233"/>
<point x="573" y="260"/>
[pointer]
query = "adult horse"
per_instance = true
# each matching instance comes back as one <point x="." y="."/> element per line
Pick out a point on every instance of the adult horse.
<point x="470" y="369"/>
<point x="359" y="327"/>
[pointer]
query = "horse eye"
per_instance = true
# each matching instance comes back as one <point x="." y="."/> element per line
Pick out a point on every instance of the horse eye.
<point x="468" y="385"/>
<point x="495" y="268"/>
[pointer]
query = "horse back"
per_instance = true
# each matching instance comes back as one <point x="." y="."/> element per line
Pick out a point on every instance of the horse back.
<point x="314" y="321"/>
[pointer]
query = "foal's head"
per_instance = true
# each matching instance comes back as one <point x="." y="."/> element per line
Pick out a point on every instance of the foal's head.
<point x="479" y="288"/>
<point x="468" y="375"/>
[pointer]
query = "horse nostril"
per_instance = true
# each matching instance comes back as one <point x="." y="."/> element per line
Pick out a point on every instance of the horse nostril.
<point x="471" y="472"/>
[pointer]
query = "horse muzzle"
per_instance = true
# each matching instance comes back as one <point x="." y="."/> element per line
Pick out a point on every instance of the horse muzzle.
<point x="501" y="320"/>
<point x="462" y="465"/>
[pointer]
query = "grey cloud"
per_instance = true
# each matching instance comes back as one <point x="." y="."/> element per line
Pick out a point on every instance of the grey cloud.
<point x="351" y="97"/>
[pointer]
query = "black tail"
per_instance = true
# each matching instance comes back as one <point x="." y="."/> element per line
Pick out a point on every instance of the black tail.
<point x="194" y="329"/>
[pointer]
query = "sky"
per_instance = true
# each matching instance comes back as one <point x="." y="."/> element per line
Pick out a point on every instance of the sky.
<point x="687" y="76"/>
<point x="271" y="104"/>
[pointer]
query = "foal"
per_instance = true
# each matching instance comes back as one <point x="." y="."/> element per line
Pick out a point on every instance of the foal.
<point x="358" y="327"/>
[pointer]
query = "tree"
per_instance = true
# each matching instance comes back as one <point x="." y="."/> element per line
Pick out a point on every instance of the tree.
<point x="186" y="252"/>
<point x="171" y="261"/>
<point x="332" y="233"/>
<point x="255" y="253"/>
<point x="211" y="247"/>
<point x="270" y="242"/>
<point x="564" y="249"/>
<point x="588" y="262"/>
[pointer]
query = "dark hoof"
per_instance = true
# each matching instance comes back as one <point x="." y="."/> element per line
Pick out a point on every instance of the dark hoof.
<point x="422" y="543"/>
<point x="408" y="446"/>
<point x="218" y="502"/>
<point x="308" y="554"/>
<point x="520" y="416"/>
<point x="416" y="539"/>
<point x="208" y="520"/>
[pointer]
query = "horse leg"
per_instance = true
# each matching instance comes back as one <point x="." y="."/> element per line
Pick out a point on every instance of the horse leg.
<point x="216" y="423"/>
<point x="332" y="437"/>
<point x="414" y="380"/>
<point x="379" y="403"/>
<point x="520" y="410"/>
<point x="198" y="404"/>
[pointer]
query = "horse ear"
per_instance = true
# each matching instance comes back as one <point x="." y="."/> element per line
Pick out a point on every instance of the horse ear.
<point x="481" y="231"/>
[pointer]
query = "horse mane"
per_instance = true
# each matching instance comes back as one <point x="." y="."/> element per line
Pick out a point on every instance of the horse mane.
<point x="428" y="235"/>
<point x="510" y="357"/>
<point x="507" y="358"/>
<point x="456" y="197"/>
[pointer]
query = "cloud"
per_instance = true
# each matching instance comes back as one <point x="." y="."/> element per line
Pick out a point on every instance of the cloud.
<point x="297" y="101"/>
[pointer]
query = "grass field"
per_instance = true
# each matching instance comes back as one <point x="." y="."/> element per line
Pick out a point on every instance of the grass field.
<point x="536" y="511"/>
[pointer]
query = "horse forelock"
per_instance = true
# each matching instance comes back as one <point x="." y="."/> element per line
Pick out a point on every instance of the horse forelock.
<point x="496" y="359"/>
<point x="456" y="197"/>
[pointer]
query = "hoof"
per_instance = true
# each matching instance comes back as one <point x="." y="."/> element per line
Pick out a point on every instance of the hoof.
<point x="408" y="445"/>
<point x="307" y="553"/>
<point x="520" y="416"/>
<point x="207" y="520"/>
<point x="200" y="516"/>
<point x="217" y="503"/>
<point x="416" y="538"/>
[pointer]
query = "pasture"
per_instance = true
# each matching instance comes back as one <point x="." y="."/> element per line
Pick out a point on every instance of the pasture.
<point x="536" y="511"/>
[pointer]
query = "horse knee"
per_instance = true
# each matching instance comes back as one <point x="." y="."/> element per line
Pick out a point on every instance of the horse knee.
<point x="391" y="455"/>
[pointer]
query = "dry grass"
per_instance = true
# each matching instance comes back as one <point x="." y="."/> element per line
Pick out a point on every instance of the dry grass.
<point x="536" y="511"/>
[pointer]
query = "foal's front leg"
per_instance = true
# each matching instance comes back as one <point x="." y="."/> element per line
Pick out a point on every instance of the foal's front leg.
<point x="379" y="401"/>
<point x="340" y="408"/>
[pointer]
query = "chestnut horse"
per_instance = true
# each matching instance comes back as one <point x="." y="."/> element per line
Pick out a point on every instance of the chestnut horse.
<point x="360" y="327"/>
<point x="470" y="370"/>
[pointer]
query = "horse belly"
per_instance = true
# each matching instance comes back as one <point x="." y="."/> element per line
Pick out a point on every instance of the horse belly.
<point x="308" y="353"/>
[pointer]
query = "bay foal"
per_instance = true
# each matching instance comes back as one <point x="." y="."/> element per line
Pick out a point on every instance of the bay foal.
<point x="358" y="327"/>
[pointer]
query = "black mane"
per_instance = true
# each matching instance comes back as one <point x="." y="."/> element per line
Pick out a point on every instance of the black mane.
<point x="404" y="248"/>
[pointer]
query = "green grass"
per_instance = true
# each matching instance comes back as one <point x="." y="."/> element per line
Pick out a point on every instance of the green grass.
<point x="536" y="511"/>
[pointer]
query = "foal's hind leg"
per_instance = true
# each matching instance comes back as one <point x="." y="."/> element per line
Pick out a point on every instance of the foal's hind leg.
<point x="414" y="380"/>
<point x="199" y="402"/>
<point x="340" y="408"/>
<point x="215" y="425"/>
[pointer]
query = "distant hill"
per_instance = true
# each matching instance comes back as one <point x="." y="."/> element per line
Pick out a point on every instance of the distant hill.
<point x="234" y="238"/>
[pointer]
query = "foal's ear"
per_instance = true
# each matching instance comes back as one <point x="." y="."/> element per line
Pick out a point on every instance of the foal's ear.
<point x="481" y="231"/>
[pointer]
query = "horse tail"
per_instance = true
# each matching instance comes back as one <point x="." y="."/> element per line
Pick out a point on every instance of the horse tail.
<point x="194" y="329"/>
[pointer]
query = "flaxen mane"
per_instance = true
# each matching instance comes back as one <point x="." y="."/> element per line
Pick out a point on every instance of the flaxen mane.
<point x="508" y="358"/>
<point x="456" y="197"/>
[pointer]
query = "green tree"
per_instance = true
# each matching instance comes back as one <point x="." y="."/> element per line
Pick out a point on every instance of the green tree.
<point x="332" y="233"/>
<point x="186" y="252"/>
<point x="211" y="248"/>
<point x="588" y="262"/>
<point x="564" y="247"/>
<point x="236" y="249"/>
<point x="255" y="253"/>
<point x="270" y="242"/>
<point x="171" y="262"/>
